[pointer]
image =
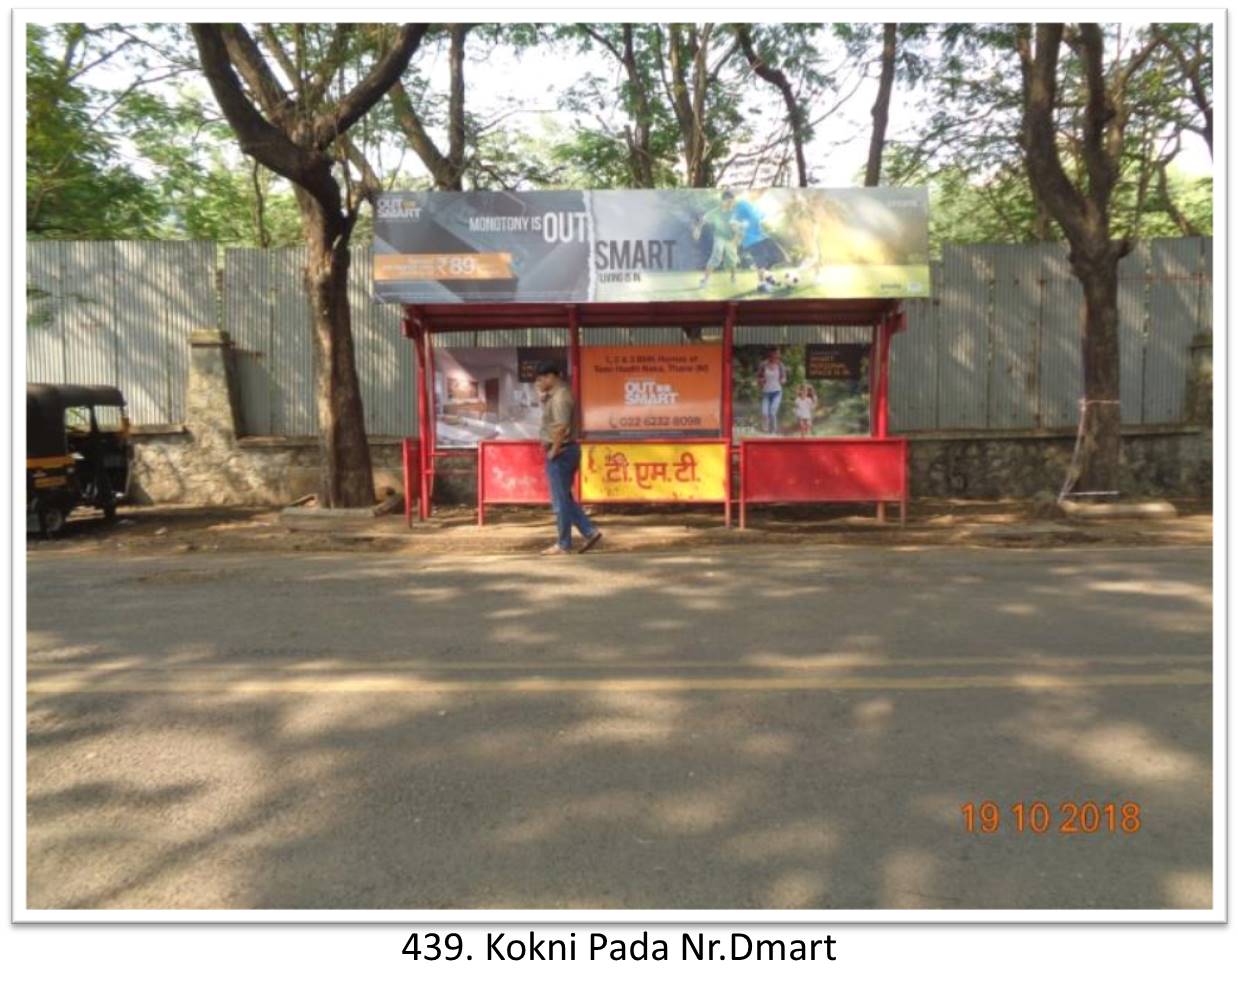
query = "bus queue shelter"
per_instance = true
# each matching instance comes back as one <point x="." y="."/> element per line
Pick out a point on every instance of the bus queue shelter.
<point x="759" y="470"/>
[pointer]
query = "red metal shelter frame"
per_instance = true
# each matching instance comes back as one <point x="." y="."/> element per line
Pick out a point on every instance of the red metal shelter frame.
<point x="845" y="468"/>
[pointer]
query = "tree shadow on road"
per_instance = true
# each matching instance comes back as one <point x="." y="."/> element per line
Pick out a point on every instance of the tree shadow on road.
<point x="804" y="738"/>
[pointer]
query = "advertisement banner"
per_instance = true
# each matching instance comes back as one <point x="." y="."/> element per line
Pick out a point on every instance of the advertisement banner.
<point x="572" y="246"/>
<point x="844" y="361"/>
<point x="639" y="472"/>
<point x="812" y="390"/>
<point x="651" y="390"/>
<point x="488" y="393"/>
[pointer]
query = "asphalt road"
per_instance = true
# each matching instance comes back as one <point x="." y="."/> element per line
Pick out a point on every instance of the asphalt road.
<point x="781" y="728"/>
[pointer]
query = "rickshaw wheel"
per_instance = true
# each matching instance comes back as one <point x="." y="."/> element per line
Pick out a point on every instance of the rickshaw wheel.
<point x="51" y="521"/>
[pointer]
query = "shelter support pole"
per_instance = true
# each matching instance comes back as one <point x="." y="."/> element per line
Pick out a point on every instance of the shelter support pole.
<point x="743" y="483"/>
<point x="431" y="444"/>
<point x="728" y="340"/>
<point x="728" y="421"/>
<point x="406" y="327"/>
<point x="425" y="427"/>
<point x="573" y="359"/>
<point x="874" y="394"/>
<point x="481" y="483"/>
<point x="897" y="323"/>
<point x="884" y="334"/>
<point x="406" y="465"/>
<point x="573" y="351"/>
<point x="883" y="378"/>
<point x="873" y="364"/>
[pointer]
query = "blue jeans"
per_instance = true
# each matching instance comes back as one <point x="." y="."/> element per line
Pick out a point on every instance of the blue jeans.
<point x="560" y="473"/>
<point x="771" y="401"/>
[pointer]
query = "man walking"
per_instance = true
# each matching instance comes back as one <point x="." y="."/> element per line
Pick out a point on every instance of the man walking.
<point x="558" y="436"/>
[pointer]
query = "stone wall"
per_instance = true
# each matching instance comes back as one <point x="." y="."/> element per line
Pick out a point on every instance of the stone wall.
<point x="205" y="461"/>
<point x="1174" y="461"/>
<point x="171" y="467"/>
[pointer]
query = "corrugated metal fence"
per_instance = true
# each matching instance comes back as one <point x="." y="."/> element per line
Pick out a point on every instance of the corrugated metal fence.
<point x="119" y="313"/>
<point x="266" y="311"/>
<point x="997" y="346"/>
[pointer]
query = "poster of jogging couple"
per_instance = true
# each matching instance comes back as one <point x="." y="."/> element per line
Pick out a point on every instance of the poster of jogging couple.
<point x="570" y="246"/>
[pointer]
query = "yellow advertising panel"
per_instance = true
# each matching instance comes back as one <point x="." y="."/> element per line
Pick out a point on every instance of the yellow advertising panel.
<point x="675" y="472"/>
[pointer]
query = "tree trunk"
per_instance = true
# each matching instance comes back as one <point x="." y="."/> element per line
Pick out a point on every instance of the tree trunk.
<point x="640" y="154"/>
<point x="455" y="125"/>
<point x="689" y="105"/>
<point x="1082" y="212"/>
<point x="264" y="240"/>
<point x="347" y="479"/>
<point x="1167" y="202"/>
<point x="1041" y="230"/>
<point x="298" y="150"/>
<point x="881" y="108"/>
<point x="1101" y="446"/>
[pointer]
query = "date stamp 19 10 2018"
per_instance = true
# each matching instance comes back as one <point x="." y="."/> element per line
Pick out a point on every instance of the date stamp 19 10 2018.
<point x="1040" y="818"/>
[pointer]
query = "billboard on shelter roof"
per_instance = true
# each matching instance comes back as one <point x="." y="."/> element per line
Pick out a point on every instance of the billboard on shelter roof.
<point x="576" y="246"/>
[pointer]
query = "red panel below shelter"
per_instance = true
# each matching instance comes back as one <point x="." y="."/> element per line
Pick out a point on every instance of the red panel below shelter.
<point x="811" y="470"/>
<point x="512" y="473"/>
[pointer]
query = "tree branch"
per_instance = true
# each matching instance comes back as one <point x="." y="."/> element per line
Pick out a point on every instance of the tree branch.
<point x="257" y="136"/>
<point x="418" y="137"/>
<point x="1190" y="71"/>
<point x="1044" y="167"/>
<point x="331" y="61"/>
<point x="370" y="90"/>
<point x="244" y="54"/>
<point x="286" y="63"/>
<point x="778" y="79"/>
<point x="602" y="40"/>
<point x="1100" y="130"/>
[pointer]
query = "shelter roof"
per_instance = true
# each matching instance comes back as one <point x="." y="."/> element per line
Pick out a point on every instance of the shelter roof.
<point x="805" y="311"/>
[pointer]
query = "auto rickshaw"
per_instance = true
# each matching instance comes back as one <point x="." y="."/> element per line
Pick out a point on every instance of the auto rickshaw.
<point x="77" y="453"/>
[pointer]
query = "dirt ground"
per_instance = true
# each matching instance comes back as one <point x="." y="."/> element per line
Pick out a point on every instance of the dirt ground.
<point x="454" y="530"/>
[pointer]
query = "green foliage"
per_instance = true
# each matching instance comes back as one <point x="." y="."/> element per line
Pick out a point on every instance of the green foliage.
<point x="596" y="159"/>
<point x="110" y="157"/>
<point x="203" y="193"/>
<point x="598" y="150"/>
<point x="964" y="210"/>
<point x="513" y="159"/>
<point x="969" y="150"/>
<point x="77" y="186"/>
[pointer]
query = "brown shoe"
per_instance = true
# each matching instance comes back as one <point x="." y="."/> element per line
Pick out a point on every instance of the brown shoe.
<point x="591" y="541"/>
